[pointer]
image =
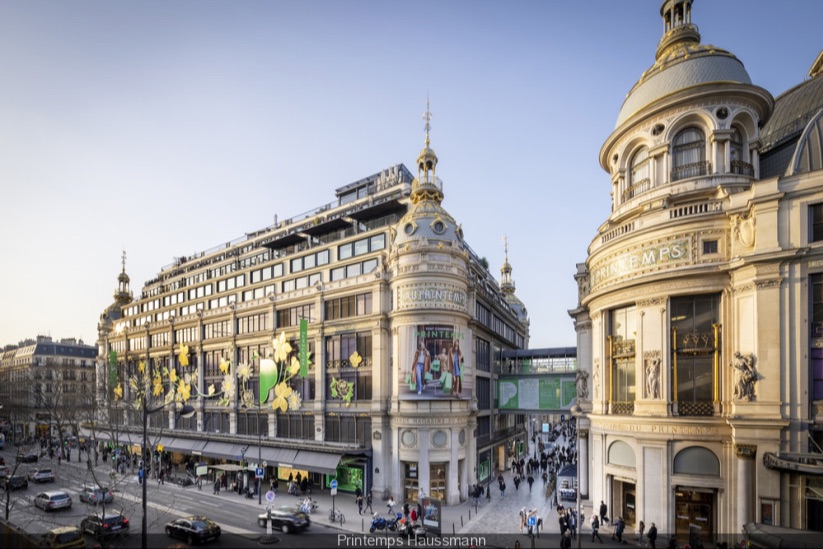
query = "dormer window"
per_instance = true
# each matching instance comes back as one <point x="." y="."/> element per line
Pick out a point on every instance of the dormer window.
<point x="689" y="154"/>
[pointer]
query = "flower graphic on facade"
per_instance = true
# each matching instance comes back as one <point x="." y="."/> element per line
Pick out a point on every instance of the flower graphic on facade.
<point x="184" y="355"/>
<point x="244" y="371"/>
<point x="282" y="392"/>
<point x="173" y="375"/>
<point x="225" y="365"/>
<point x="340" y="388"/>
<point x="184" y="390"/>
<point x="118" y="392"/>
<point x="295" y="401"/>
<point x="355" y="359"/>
<point x="282" y="348"/>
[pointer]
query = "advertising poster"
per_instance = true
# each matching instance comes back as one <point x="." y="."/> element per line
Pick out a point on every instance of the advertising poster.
<point x="431" y="515"/>
<point x="437" y="364"/>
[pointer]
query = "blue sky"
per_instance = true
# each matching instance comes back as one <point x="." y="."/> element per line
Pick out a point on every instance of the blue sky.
<point x="167" y="128"/>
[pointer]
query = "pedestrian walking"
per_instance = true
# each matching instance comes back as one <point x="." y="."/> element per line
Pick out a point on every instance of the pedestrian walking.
<point x="216" y="486"/>
<point x="619" y="526"/>
<point x="603" y="512"/>
<point x="391" y="505"/>
<point x="566" y="540"/>
<point x="530" y="480"/>
<point x="358" y="497"/>
<point x="368" y="502"/>
<point x="641" y="527"/>
<point x="517" y="482"/>
<point x="595" y="528"/>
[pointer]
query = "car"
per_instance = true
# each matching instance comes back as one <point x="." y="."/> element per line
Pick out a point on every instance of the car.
<point x="52" y="500"/>
<point x="29" y="457"/>
<point x="42" y="475"/>
<point x="96" y="494"/>
<point x="64" y="537"/>
<point x="286" y="519"/>
<point x="194" y="529"/>
<point x="110" y="524"/>
<point x="17" y="482"/>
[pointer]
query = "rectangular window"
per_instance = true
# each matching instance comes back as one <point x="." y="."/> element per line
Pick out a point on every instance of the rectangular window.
<point x="623" y="331"/>
<point x="816" y="222"/>
<point x="710" y="246"/>
<point x="695" y="351"/>
<point x="483" y="355"/>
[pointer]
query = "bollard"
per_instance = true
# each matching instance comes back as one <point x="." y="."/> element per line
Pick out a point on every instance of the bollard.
<point x="453" y="532"/>
<point x="461" y="521"/>
<point x="470" y="514"/>
<point x="362" y="525"/>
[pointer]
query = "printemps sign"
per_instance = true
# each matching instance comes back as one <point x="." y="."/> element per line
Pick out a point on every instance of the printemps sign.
<point x="674" y="251"/>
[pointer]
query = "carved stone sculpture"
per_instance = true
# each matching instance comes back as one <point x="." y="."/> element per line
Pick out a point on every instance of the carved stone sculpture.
<point x="653" y="379"/>
<point x="745" y="376"/>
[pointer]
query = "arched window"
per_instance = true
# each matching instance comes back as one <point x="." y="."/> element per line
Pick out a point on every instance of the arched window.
<point x="689" y="154"/>
<point x="639" y="174"/>
<point x="738" y="163"/>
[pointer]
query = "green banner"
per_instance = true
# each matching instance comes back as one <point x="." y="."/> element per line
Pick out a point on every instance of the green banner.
<point x="112" y="368"/>
<point x="304" y="347"/>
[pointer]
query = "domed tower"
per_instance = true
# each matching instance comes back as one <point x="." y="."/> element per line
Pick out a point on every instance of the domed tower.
<point x="432" y="383"/>
<point x="108" y="319"/>
<point x="674" y="279"/>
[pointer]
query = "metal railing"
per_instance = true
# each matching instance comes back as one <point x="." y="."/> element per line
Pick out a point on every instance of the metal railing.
<point x="695" y="169"/>
<point x="637" y="188"/>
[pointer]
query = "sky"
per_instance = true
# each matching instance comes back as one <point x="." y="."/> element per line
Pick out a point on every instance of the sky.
<point x="167" y="128"/>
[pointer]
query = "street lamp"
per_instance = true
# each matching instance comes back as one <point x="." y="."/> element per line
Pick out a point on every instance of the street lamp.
<point x="577" y="412"/>
<point x="185" y="411"/>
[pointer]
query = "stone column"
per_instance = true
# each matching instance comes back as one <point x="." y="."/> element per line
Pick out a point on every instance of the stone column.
<point x="745" y="481"/>
<point x="583" y="463"/>
<point x="453" y="480"/>
<point x="423" y="465"/>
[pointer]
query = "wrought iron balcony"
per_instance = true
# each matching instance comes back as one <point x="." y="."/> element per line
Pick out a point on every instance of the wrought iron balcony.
<point x="742" y="168"/>
<point x="695" y="169"/>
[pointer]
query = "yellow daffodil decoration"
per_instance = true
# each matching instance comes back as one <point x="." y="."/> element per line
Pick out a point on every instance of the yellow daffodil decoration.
<point x="355" y="359"/>
<point x="276" y="372"/>
<point x="184" y="355"/>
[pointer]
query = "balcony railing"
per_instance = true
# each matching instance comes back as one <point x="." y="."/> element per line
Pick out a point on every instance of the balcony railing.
<point x="622" y="408"/>
<point x="742" y="168"/>
<point x="691" y="170"/>
<point x="695" y="408"/>
<point x="638" y="188"/>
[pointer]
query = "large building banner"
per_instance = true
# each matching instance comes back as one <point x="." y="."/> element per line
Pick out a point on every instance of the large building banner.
<point x="537" y="393"/>
<point x="437" y="365"/>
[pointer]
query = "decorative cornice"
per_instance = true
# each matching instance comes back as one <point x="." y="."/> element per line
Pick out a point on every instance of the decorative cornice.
<point x="767" y="284"/>
<point x="745" y="451"/>
<point x="651" y="302"/>
<point x="648" y="355"/>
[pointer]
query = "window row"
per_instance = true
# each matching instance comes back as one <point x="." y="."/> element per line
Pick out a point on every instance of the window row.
<point x="349" y="306"/>
<point x="362" y="246"/>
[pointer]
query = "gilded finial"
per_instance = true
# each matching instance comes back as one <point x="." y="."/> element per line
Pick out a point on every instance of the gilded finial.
<point x="124" y="261"/>
<point x="506" y="246"/>
<point x="427" y="116"/>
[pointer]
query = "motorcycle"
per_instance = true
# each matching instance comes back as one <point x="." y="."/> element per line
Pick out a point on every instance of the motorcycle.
<point x="411" y="529"/>
<point x="392" y="523"/>
<point x="378" y="523"/>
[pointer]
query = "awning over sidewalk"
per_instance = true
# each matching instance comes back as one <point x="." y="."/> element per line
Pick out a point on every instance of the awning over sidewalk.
<point x="187" y="445"/>
<point x="317" y="462"/>
<point x="223" y="450"/>
<point x="229" y="467"/>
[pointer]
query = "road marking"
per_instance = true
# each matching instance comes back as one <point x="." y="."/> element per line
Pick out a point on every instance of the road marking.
<point x="170" y="511"/>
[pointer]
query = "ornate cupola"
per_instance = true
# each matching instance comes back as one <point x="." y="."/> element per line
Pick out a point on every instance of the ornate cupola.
<point x="123" y="295"/>
<point x="506" y="282"/>
<point x="427" y="186"/>
<point x="426" y="222"/>
<point x="678" y="29"/>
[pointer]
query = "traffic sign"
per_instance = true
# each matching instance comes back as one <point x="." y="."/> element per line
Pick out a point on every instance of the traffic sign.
<point x="259" y="472"/>
<point x="269" y="496"/>
<point x="333" y="484"/>
<point x="334" y="491"/>
<point x="532" y="521"/>
<point x="265" y="464"/>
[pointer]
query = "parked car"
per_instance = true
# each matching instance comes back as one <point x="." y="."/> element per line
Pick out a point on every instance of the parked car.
<point x="42" y="475"/>
<point x="286" y="519"/>
<point x="101" y="526"/>
<point x="28" y="457"/>
<point x="52" y="500"/>
<point x="64" y="537"/>
<point x="96" y="494"/>
<point x="17" y="482"/>
<point x="195" y="529"/>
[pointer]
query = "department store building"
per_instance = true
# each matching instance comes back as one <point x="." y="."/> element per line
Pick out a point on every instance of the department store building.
<point x="380" y="272"/>
<point x="700" y="309"/>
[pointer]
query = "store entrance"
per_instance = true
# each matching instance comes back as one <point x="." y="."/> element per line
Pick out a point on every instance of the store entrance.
<point x="625" y="498"/>
<point x="694" y="514"/>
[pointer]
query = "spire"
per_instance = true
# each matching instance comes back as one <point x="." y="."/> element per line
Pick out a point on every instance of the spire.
<point x="427" y="186"/>
<point x="506" y="282"/>
<point x="123" y="294"/>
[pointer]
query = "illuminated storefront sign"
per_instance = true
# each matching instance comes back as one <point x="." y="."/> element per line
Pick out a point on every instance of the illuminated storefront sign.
<point x="674" y="251"/>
